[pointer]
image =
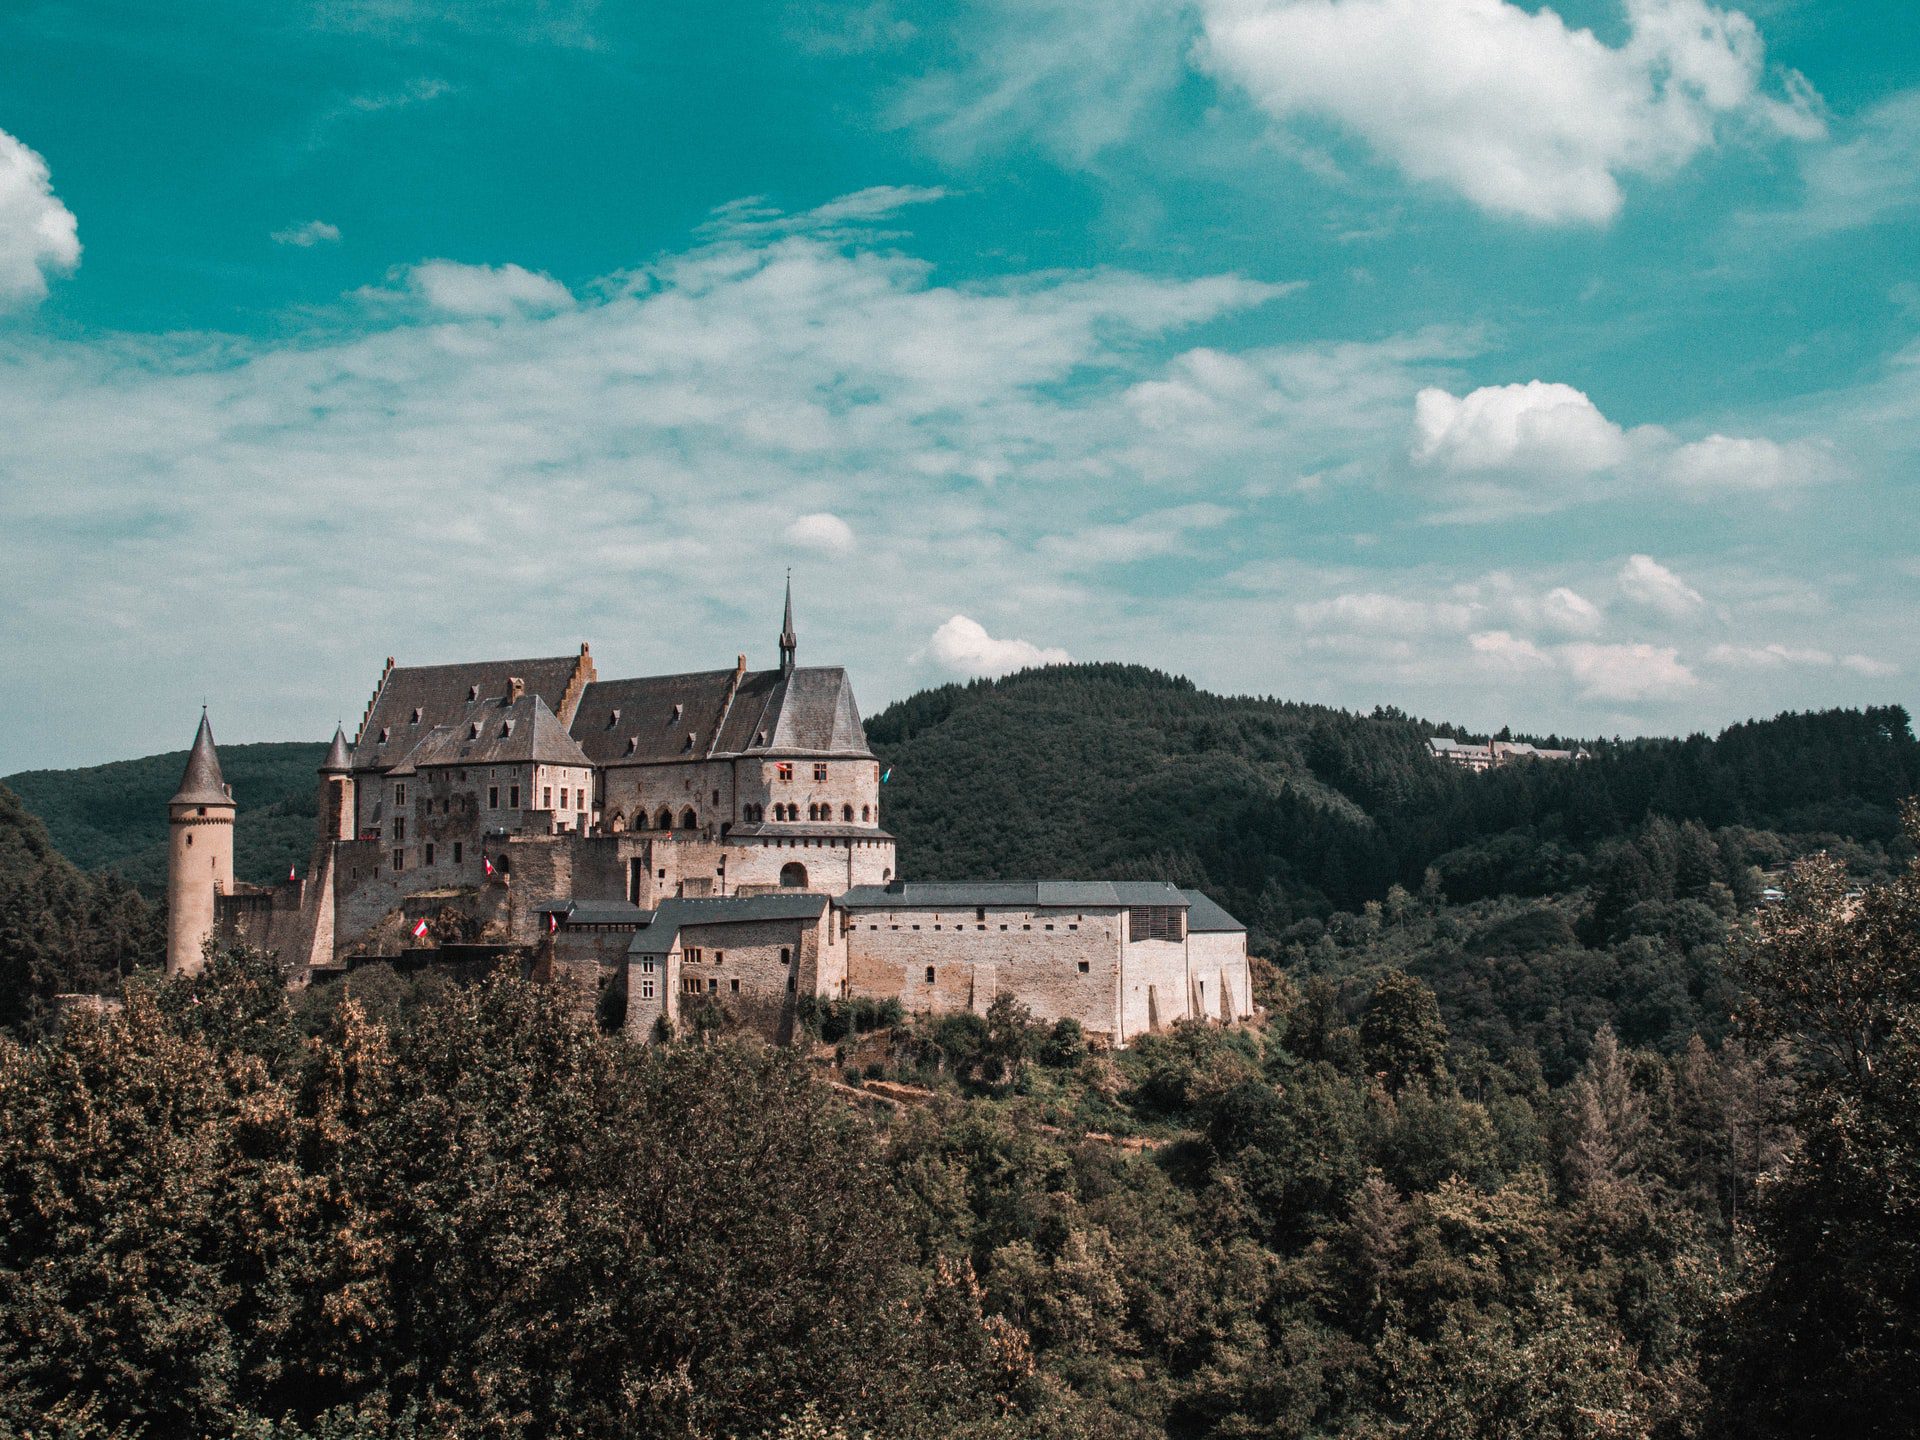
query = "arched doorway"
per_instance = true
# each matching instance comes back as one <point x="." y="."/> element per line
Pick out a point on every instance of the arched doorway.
<point x="793" y="876"/>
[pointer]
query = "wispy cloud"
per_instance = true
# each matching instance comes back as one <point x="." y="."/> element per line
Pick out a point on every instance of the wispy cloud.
<point x="304" y="237"/>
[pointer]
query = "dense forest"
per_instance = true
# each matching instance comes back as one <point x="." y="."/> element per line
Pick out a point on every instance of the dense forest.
<point x="1553" y="1124"/>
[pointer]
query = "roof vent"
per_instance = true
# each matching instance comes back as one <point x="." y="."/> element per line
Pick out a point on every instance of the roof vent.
<point x="473" y="731"/>
<point x="416" y="716"/>
<point x="473" y="692"/>
<point x="613" y="718"/>
<point x="633" y="743"/>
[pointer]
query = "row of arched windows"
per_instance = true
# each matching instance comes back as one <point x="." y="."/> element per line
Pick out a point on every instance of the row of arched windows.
<point x="690" y="819"/>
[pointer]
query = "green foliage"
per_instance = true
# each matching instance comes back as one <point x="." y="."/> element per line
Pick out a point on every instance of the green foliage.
<point x="114" y="817"/>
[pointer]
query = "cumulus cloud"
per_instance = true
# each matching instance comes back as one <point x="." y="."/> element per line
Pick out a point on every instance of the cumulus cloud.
<point x="828" y="534"/>
<point x="1508" y="107"/>
<point x="1777" y="657"/>
<point x="1723" y="463"/>
<point x="1508" y="654"/>
<point x="1538" y="427"/>
<point x="1627" y="673"/>
<point x="964" y="647"/>
<point x="490" y="291"/>
<point x="304" y="237"/>
<point x="1370" y="612"/>
<point x="1645" y="581"/>
<point x="38" y="235"/>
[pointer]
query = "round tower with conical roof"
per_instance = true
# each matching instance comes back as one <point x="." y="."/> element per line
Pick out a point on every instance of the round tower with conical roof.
<point x="200" y="855"/>
<point x="336" y="789"/>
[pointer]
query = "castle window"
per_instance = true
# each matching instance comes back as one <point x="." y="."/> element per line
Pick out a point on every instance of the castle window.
<point x="563" y="797"/>
<point x="513" y="797"/>
<point x="713" y="986"/>
<point x="399" y="861"/>
<point x="1156" y="922"/>
<point x="429" y="853"/>
<point x="546" y="798"/>
<point x="458" y="848"/>
<point x="688" y="820"/>
<point x="929" y="974"/>
<point x="864" y="813"/>
<point x="665" y="823"/>
<point x="399" y="794"/>
<point x="1083" y="967"/>
<point x="646" y="967"/>
<point x="784" y="771"/>
<point x="399" y="827"/>
<point x="819" y="771"/>
<point x="846" y="813"/>
<point x="493" y="797"/>
<point x="690" y="984"/>
<point x="786" y="955"/>
<point x="646" y="984"/>
<point x="979" y="912"/>
<point x="716" y="797"/>
<point x="736" y="986"/>
<point x="693" y="955"/>
<point x="719" y="957"/>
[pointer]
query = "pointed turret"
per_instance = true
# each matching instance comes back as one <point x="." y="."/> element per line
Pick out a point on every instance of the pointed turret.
<point x="199" y="854"/>
<point x="788" y="641"/>
<point x="202" y="784"/>
<point x="339" y="754"/>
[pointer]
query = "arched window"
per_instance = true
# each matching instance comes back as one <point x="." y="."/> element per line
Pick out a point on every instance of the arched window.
<point x="866" y="813"/>
<point x="793" y="876"/>
<point x="617" y="823"/>
<point x="846" y="813"/>
<point x="665" y="822"/>
<point x="689" y="820"/>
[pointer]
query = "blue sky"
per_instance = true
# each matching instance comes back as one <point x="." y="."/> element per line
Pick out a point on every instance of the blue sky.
<point x="1545" y="365"/>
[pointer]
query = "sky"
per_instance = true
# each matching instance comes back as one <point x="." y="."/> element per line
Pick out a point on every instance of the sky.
<point x="1544" y="365"/>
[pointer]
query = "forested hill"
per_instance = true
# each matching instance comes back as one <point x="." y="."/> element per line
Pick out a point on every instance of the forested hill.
<point x="114" y="817"/>
<point x="1284" y="810"/>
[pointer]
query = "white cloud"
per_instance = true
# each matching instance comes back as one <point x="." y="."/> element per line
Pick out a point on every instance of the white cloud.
<point x="38" y="235"/>
<point x="1866" y="665"/>
<point x="1778" y="657"/>
<point x="1723" y="463"/>
<point x="1872" y="176"/>
<point x="964" y="647"/>
<point x="1509" y="107"/>
<point x="314" y="232"/>
<point x="1645" y="581"/>
<point x="495" y="291"/>
<point x="1372" y="613"/>
<point x="1537" y="427"/>
<point x="1508" y="654"/>
<point x="826" y="533"/>
<point x="1159" y="532"/>
<point x="1627" y="673"/>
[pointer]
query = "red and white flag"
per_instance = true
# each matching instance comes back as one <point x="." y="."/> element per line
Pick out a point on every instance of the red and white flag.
<point x="553" y="922"/>
<point x="289" y="872"/>
<point x="488" y="863"/>
<point x="420" y="931"/>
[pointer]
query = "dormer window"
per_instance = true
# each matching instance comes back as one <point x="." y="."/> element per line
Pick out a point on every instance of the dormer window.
<point x="416" y="716"/>
<point x="633" y="743"/>
<point x="689" y="744"/>
<point x="473" y="731"/>
<point x="506" y="728"/>
<point x="473" y="692"/>
<point x="613" y="719"/>
<point x="678" y="711"/>
<point x="383" y="736"/>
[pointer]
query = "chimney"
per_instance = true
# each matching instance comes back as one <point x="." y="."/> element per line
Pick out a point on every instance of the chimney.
<point x="516" y="687"/>
<point x="739" y="664"/>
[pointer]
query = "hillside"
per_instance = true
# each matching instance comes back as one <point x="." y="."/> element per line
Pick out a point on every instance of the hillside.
<point x="114" y="817"/>
<point x="1286" y="811"/>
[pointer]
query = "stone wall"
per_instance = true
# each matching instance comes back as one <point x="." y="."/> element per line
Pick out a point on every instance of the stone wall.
<point x="1220" y="961"/>
<point x="1061" y="964"/>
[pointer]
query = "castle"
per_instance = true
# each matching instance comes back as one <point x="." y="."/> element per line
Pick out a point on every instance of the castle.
<point x="665" y="844"/>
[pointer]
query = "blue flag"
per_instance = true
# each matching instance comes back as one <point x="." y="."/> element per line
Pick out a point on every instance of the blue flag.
<point x="886" y="774"/>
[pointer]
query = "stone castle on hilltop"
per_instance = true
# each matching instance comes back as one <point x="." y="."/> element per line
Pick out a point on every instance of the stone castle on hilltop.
<point x="669" y="843"/>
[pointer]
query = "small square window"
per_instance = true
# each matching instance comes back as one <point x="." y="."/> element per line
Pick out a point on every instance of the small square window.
<point x="734" y="985"/>
<point x="784" y="770"/>
<point x="1083" y="967"/>
<point x="819" y="772"/>
<point x="929" y="974"/>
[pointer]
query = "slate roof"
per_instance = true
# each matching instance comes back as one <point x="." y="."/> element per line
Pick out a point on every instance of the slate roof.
<point x="440" y="694"/>
<point x="1029" y="894"/>
<point x="202" y="782"/>
<point x="595" y="912"/>
<point x="679" y="913"/>
<point x="1206" y="917"/>
<point x="805" y="830"/>
<point x="496" y="732"/>
<point x="339" y="754"/>
<point x="809" y="711"/>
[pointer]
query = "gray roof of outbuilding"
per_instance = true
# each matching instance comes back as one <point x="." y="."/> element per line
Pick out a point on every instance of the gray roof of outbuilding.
<point x="1035" y="894"/>
<point x="441" y="695"/>
<point x="202" y="783"/>
<point x="595" y="912"/>
<point x="496" y="732"/>
<point x="681" y="913"/>
<point x="1207" y="917"/>
<point x="657" y="718"/>
<point x="806" y="830"/>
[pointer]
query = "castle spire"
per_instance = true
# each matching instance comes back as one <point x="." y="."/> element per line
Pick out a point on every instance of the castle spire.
<point x="203" y="784"/>
<point x="788" y="641"/>
<point x="339" y="756"/>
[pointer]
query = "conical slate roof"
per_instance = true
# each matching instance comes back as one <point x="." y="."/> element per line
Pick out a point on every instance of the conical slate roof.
<point x="202" y="784"/>
<point x="339" y="755"/>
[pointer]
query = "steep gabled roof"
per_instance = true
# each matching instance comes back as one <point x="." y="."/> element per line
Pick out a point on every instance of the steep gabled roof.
<point x="687" y="717"/>
<point x="1204" y="916"/>
<point x="415" y="699"/>
<point x="202" y="782"/>
<point x="496" y="732"/>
